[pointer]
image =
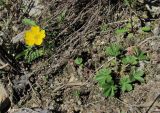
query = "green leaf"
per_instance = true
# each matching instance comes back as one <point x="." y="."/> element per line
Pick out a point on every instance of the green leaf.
<point x="78" y="61"/>
<point x="125" y="83"/>
<point x="61" y="17"/>
<point x="140" y="54"/>
<point x="121" y="31"/>
<point x="113" y="50"/>
<point x="137" y="75"/>
<point x="146" y="29"/>
<point x="23" y="53"/>
<point x="32" y="55"/>
<point x="29" y="22"/>
<point x="109" y="89"/>
<point x="103" y="76"/>
<point x="130" y="59"/>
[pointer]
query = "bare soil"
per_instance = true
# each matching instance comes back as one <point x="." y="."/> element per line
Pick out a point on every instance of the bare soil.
<point x="54" y="82"/>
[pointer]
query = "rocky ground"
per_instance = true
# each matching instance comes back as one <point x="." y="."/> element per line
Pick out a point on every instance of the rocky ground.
<point x="77" y="28"/>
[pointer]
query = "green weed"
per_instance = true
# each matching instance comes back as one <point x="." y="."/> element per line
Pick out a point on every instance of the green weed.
<point x="79" y="61"/>
<point x="30" y="54"/>
<point x="122" y="72"/>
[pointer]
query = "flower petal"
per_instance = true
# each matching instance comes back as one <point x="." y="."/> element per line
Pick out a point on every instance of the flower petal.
<point x="35" y="29"/>
<point x="38" y="41"/>
<point x="29" y="38"/>
<point x="42" y="34"/>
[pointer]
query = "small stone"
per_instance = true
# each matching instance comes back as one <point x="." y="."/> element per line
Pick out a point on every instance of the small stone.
<point x="5" y="102"/>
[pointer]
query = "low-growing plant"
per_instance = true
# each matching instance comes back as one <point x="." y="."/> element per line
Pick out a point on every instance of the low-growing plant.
<point x="79" y="61"/>
<point x="30" y="54"/>
<point x="32" y="38"/>
<point x="124" y="73"/>
<point x="113" y="50"/>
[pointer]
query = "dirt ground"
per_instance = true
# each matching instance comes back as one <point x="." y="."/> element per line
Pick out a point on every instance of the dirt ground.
<point x="78" y="28"/>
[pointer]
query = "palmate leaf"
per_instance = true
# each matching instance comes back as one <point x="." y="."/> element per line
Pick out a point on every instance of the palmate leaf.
<point x="109" y="89"/>
<point x="130" y="59"/>
<point x="140" y="54"/>
<point x="103" y="76"/>
<point x="78" y="61"/>
<point x="113" y="50"/>
<point x="137" y="75"/>
<point x="125" y="84"/>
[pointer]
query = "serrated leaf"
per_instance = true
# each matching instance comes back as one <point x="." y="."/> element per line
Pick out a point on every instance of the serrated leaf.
<point x="103" y="76"/>
<point x="78" y="61"/>
<point x="140" y="54"/>
<point x="109" y="89"/>
<point x="137" y="76"/>
<point x="113" y="50"/>
<point x="33" y="55"/>
<point x="29" y="22"/>
<point x="130" y="59"/>
<point x="125" y="83"/>
<point x="146" y="29"/>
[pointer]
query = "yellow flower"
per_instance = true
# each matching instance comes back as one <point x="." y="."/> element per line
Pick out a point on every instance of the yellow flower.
<point x="34" y="36"/>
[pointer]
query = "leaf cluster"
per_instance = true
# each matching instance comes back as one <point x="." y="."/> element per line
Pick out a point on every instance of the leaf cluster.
<point x="124" y="73"/>
<point x="30" y="54"/>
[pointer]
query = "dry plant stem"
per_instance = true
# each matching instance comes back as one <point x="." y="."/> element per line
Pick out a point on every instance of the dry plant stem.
<point x="157" y="98"/>
<point x="147" y="39"/>
<point x="5" y="65"/>
<point x="68" y="85"/>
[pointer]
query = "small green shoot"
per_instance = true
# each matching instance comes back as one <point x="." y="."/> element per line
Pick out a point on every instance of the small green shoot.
<point x="113" y="50"/>
<point x="137" y="75"/>
<point x="79" y="61"/>
<point x="130" y="59"/>
<point x="121" y="31"/>
<point x="29" y="22"/>
<point x="125" y="84"/>
<point x="146" y="29"/>
<point x="76" y="93"/>
<point x="140" y="54"/>
<point x="109" y="89"/>
<point x="30" y="54"/>
<point x="103" y="76"/>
